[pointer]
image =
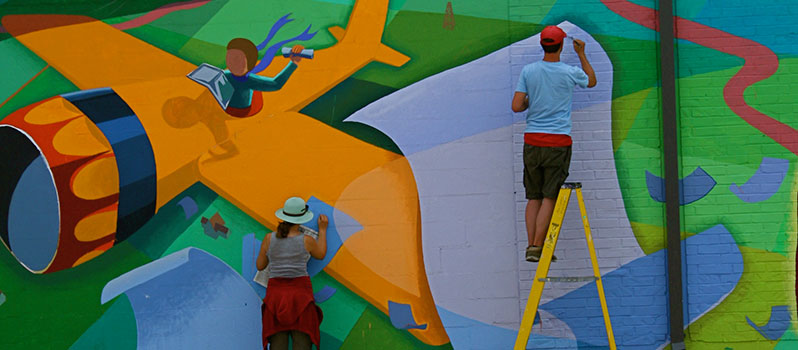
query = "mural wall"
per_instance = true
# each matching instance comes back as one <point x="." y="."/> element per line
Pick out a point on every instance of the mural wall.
<point x="133" y="199"/>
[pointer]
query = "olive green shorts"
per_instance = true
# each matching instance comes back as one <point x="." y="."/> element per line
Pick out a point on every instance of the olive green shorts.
<point x="545" y="170"/>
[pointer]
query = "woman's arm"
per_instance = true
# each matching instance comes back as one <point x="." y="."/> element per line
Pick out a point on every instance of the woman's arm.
<point x="263" y="260"/>
<point x="318" y="248"/>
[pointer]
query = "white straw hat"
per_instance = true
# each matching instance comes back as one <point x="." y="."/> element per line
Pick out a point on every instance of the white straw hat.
<point x="294" y="211"/>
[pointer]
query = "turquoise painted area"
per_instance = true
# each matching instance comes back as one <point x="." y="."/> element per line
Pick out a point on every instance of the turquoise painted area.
<point x="17" y="66"/>
<point x="695" y="59"/>
<point x="595" y="18"/>
<point x="789" y="340"/>
<point x="342" y="310"/>
<point x="115" y="329"/>
<point x="689" y="9"/>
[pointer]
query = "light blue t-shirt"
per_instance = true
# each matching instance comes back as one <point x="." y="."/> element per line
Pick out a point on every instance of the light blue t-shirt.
<point x="550" y="87"/>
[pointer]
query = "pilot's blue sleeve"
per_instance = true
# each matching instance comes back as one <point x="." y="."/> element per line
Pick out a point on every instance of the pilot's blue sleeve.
<point x="261" y="83"/>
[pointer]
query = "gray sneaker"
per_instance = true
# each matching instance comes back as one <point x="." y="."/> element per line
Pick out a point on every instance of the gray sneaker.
<point x="533" y="254"/>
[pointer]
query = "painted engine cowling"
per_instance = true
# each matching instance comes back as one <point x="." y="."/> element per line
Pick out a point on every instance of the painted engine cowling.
<point x="77" y="175"/>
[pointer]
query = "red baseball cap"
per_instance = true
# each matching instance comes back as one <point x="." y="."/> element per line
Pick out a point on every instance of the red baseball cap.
<point x="553" y="33"/>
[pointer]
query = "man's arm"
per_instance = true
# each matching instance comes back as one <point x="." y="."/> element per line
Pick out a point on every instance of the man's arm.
<point x="579" y="47"/>
<point x="520" y="102"/>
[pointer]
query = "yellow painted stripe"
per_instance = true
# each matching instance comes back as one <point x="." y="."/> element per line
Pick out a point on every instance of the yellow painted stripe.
<point x="80" y="137"/>
<point x="98" y="179"/>
<point x="96" y="226"/>
<point x="52" y="111"/>
<point x="94" y="253"/>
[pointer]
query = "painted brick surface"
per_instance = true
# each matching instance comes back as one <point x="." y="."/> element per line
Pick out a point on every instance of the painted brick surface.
<point x="413" y="151"/>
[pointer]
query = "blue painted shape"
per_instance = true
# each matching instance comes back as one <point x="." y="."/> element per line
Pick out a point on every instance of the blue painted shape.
<point x="87" y="94"/>
<point x="467" y="333"/>
<point x="324" y="294"/>
<point x="345" y="225"/>
<point x="121" y="129"/>
<point x="250" y="246"/>
<point x="636" y="293"/>
<point x="777" y="324"/>
<point x="33" y="217"/>
<point x="333" y="239"/>
<point x="402" y="316"/>
<point x="190" y="300"/>
<point x="189" y="206"/>
<point x="132" y="170"/>
<point x="691" y="188"/>
<point x="765" y="182"/>
<point x="2" y="298"/>
<point x="135" y="159"/>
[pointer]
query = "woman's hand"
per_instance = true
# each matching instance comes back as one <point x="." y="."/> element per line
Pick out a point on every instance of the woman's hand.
<point x="295" y="51"/>
<point x="318" y="247"/>
<point x="323" y="222"/>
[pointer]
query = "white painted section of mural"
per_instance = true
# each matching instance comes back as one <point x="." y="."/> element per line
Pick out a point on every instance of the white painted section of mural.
<point x="465" y="148"/>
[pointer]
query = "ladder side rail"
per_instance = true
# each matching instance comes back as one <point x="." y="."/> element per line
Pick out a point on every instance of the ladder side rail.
<point x="596" y="270"/>
<point x="542" y="269"/>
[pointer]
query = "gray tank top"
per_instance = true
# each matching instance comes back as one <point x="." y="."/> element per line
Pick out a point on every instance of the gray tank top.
<point x="288" y="256"/>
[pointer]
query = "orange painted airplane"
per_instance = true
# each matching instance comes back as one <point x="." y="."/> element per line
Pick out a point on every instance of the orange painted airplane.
<point x="84" y="170"/>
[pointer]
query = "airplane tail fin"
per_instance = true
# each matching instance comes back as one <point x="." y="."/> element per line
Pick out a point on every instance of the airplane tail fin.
<point x="366" y="25"/>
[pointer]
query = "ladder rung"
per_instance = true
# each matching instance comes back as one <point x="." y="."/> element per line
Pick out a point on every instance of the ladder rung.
<point x="568" y="279"/>
<point x="572" y="185"/>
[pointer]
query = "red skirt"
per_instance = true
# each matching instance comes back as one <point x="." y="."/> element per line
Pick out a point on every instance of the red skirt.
<point x="289" y="305"/>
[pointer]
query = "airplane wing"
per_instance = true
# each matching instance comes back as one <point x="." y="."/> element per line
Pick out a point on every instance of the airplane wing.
<point x="90" y="53"/>
<point x="93" y="54"/>
<point x="250" y="169"/>
<point x="290" y="154"/>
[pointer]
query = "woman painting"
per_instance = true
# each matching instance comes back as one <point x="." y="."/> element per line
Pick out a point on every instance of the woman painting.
<point x="288" y="308"/>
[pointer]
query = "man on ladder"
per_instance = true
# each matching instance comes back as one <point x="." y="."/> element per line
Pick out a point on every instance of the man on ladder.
<point x="541" y="274"/>
<point x="545" y="90"/>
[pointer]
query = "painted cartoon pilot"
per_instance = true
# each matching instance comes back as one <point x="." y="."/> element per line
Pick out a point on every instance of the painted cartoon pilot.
<point x="241" y="59"/>
<point x="243" y="66"/>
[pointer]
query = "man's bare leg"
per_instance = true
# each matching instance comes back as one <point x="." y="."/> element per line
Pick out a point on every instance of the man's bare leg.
<point x="532" y="208"/>
<point x="542" y="220"/>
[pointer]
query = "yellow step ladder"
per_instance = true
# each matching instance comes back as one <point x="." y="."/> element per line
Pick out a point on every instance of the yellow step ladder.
<point x="541" y="275"/>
